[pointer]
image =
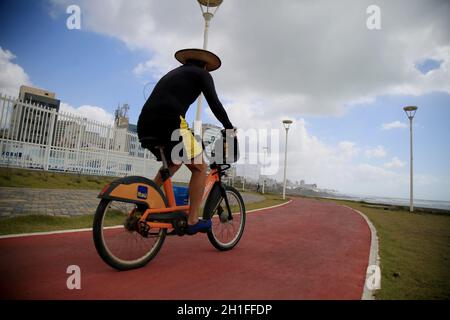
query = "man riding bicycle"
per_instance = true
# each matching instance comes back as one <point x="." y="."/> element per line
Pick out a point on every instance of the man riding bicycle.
<point x="165" y="111"/>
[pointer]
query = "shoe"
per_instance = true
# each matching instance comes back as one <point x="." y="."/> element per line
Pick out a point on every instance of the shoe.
<point x="200" y="226"/>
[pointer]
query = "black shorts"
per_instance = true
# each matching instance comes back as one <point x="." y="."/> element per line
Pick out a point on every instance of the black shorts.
<point x="182" y="150"/>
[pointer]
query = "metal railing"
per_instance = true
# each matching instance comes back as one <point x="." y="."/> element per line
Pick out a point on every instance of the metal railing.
<point x="38" y="137"/>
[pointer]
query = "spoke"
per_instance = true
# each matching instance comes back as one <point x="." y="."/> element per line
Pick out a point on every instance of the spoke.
<point x="123" y="244"/>
<point x="227" y="232"/>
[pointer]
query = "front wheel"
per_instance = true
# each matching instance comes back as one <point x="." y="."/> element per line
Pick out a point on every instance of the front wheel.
<point x="225" y="233"/>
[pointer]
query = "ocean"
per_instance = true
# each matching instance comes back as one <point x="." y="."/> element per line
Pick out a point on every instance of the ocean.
<point x="434" y="204"/>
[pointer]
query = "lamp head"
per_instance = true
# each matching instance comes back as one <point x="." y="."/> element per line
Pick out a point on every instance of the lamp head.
<point x="410" y="111"/>
<point x="287" y="123"/>
<point x="206" y="5"/>
<point x="210" y="3"/>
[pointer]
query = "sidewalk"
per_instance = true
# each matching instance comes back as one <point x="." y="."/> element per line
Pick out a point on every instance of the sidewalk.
<point x="59" y="202"/>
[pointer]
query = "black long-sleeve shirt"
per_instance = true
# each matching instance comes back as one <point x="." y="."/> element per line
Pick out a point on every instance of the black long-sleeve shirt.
<point x="176" y="91"/>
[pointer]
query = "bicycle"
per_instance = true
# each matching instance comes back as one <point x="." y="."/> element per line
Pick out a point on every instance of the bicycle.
<point x="134" y="216"/>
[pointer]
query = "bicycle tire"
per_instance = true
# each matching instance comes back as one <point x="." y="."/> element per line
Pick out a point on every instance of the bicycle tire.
<point x="209" y="214"/>
<point x="105" y="253"/>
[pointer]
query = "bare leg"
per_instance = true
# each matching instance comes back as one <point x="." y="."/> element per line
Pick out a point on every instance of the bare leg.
<point x="172" y="169"/>
<point x="196" y="189"/>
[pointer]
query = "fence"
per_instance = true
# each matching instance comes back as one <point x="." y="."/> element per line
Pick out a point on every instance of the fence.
<point x="39" y="137"/>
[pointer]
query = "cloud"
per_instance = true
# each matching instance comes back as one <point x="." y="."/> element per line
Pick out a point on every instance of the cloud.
<point x="90" y="112"/>
<point x="337" y="166"/>
<point x="378" y="152"/>
<point x="374" y="174"/>
<point x="395" y="163"/>
<point x="12" y="76"/>
<point x="150" y="68"/>
<point x="393" y="125"/>
<point x="311" y="58"/>
<point x="348" y="149"/>
<point x="285" y="59"/>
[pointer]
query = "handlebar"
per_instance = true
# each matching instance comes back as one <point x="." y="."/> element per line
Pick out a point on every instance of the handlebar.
<point x="220" y="167"/>
<point x="230" y="132"/>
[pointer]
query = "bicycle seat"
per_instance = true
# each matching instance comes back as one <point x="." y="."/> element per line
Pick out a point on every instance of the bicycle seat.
<point x="151" y="142"/>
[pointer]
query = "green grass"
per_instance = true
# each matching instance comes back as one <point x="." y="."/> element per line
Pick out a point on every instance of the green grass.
<point x="11" y="177"/>
<point x="414" y="251"/>
<point x="41" y="223"/>
<point x="270" y="200"/>
<point x="21" y="178"/>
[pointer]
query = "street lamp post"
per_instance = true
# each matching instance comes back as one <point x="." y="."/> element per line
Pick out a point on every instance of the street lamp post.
<point x="264" y="165"/>
<point x="243" y="176"/>
<point x="410" y="113"/>
<point x="286" y="124"/>
<point x="209" y="9"/>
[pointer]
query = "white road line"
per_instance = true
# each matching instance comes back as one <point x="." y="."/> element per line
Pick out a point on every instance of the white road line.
<point x="44" y="233"/>
<point x="52" y="232"/>
<point x="90" y="229"/>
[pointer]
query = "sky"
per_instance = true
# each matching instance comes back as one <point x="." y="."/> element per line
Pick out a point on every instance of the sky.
<point x="316" y="62"/>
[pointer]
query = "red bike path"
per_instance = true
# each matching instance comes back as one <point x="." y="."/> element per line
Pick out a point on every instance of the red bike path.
<point x="306" y="249"/>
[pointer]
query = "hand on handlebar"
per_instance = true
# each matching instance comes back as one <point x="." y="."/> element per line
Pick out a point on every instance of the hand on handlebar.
<point x="226" y="135"/>
<point x="229" y="132"/>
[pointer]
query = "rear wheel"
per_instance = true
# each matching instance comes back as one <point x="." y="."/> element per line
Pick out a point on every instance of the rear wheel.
<point x="225" y="233"/>
<point x="121" y="241"/>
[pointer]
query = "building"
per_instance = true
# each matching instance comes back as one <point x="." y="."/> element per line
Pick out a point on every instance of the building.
<point x="77" y="134"/>
<point x="304" y="185"/>
<point x="125" y="134"/>
<point x="120" y="133"/>
<point x="121" y="116"/>
<point x="67" y="133"/>
<point x="43" y="98"/>
<point x="33" y="124"/>
<point x="210" y="133"/>
<point x="132" y="128"/>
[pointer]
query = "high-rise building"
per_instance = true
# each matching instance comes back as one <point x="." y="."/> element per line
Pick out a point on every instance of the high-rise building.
<point x="32" y="124"/>
<point x="39" y="97"/>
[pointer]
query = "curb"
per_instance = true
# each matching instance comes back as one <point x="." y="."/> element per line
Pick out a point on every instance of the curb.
<point x="24" y="235"/>
<point x="267" y="208"/>
<point x="374" y="258"/>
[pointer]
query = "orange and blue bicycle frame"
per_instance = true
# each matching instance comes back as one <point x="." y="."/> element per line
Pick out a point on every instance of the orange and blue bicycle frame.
<point x="211" y="179"/>
<point x="145" y="193"/>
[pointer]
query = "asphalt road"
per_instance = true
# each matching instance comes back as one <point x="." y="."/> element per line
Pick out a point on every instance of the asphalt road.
<point x="303" y="250"/>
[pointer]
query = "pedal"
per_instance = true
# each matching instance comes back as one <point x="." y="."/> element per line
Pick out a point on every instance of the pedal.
<point x="143" y="229"/>
<point x="179" y="227"/>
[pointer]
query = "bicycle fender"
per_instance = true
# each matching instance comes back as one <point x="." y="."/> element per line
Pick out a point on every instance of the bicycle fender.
<point x="135" y="189"/>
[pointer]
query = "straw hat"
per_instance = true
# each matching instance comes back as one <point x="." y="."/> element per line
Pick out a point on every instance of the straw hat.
<point x="212" y="61"/>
